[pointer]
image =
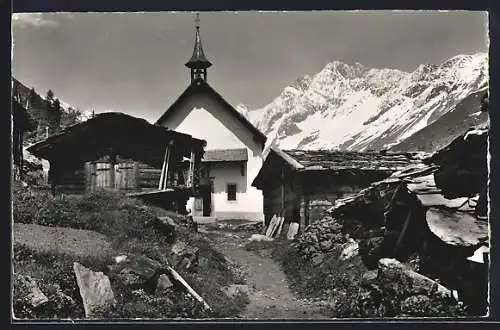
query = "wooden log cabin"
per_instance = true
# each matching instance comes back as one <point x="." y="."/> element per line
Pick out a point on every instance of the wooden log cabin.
<point x="300" y="185"/>
<point x="115" y="151"/>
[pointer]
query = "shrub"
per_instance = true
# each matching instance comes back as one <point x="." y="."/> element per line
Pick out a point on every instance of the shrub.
<point x="106" y="212"/>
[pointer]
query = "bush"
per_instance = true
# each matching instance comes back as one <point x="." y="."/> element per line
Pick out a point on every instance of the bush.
<point x="108" y="213"/>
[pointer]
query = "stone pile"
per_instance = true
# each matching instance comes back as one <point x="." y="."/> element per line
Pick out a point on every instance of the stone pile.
<point x="319" y="239"/>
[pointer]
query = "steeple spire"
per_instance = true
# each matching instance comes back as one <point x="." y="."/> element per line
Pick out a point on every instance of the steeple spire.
<point x="198" y="62"/>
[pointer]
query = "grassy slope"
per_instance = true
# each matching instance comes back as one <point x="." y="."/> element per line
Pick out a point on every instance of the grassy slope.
<point x="122" y="220"/>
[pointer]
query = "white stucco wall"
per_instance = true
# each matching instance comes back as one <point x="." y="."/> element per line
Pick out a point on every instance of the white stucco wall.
<point x="204" y="118"/>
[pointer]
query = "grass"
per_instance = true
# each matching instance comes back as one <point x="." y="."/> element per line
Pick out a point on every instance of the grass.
<point x="50" y="268"/>
<point x="123" y="220"/>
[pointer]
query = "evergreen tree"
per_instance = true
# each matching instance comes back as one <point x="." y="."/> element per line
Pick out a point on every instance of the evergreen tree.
<point x="55" y="116"/>
<point x="33" y="108"/>
<point x="50" y="96"/>
<point x="70" y="117"/>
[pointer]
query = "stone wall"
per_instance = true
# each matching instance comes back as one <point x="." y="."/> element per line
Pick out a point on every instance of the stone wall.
<point x="322" y="198"/>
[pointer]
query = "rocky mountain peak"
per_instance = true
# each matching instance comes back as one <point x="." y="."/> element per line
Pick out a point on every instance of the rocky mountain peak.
<point x="351" y="107"/>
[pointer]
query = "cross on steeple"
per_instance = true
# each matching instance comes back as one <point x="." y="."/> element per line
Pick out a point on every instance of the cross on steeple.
<point x="197" y="20"/>
<point x="198" y="62"/>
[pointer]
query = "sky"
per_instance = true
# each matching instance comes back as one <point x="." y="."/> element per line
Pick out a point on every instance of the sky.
<point x="134" y="62"/>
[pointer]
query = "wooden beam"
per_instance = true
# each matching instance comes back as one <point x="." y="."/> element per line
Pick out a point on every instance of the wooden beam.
<point x="190" y="178"/>
<point x="112" y="162"/>
<point x="196" y="173"/>
<point x="282" y="192"/>
<point x="164" y="170"/>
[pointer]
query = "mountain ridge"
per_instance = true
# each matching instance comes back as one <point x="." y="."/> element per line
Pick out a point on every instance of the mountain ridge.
<point x="351" y="107"/>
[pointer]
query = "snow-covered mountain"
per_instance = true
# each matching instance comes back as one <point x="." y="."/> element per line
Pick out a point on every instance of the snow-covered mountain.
<point x="350" y="107"/>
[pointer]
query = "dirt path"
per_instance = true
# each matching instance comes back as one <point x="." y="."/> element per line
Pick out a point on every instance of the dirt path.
<point x="70" y="241"/>
<point x="270" y="296"/>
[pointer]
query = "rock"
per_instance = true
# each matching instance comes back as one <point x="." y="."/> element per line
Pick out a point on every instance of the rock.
<point x="456" y="228"/>
<point x="234" y="289"/>
<point x="293" y="229"/>
<point x="121" y="258"/>
<point x="372" y="250"/>
<point x="420" y="283"/>
<point x="178" y="247"/>
<point x="253" y="226"/>
<point x="350" y="249"/>
<point x="191" y="224"/>
<point x="164" y="225"/>
<point x="369" y="277"/>
<point x="416" y="305"/>
<point x="138" y="271"/>
<point x="95" y="289"/>
<point x="260" y="238"/>
<point x="129" y="278"/>
<point x="202" y="262"/>
<point x="326" y="245"/>
<point x="184" y="256"/>
<point x="318" y="259"/>
<point x="59" y="298"/>
<point x="31" y="292"/>
<point x="163" y="283"/>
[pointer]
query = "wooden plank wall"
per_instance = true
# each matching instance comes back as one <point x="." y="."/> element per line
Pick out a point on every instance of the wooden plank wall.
<point x="273" y="198"/>
<point x="72" y="181"/>
<point x="148" y="177"/>
<point x="129" y="176"/>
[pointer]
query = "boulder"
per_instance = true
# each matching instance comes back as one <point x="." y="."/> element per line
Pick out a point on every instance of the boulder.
<point x="138" y="271"/>
<point x="95" y="289"/>
<point x="420" y="283"/>
<point x="184" y="256"/>
<point x="350" y="249"/>
<point x="30" y="291"/>
<point x="456" y="228"/>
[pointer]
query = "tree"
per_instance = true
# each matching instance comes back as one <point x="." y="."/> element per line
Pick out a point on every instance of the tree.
<point x="50" y="95"/>
<point x="55" y="112"/>
<point x="70" y="117"/>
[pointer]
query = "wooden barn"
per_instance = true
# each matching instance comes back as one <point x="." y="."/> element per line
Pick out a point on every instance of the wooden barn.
<point x="300" y="184"/>
<point x="115" y="151"/>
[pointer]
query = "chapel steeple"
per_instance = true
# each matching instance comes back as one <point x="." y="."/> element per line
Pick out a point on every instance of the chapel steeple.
<point x="198" y="62"/>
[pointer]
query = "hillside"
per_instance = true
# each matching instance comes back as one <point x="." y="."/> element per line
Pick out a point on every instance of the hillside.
<point x="351" y="107"/>
<point x="47" y="112"/>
